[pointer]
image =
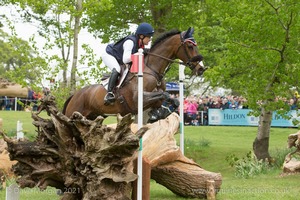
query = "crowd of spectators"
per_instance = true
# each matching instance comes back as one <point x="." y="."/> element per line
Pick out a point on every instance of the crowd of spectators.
<point x="196" y="108"/>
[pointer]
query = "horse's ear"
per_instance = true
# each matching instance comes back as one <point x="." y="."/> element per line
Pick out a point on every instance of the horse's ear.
<point x="192" y="31"/>
<point x="188" y="32"/>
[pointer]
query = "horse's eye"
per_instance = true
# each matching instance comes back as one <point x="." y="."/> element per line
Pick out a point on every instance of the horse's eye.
<point x="190" y="46"/>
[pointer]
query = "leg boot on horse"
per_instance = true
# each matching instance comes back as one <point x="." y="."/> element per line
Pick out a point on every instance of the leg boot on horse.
<point x="110" y="96"/>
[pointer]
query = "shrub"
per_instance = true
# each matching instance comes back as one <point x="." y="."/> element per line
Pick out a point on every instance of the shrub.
<point x="248" y="166"/>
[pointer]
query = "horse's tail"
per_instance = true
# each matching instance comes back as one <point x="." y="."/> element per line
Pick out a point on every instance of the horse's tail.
<point x="66" y="104"/>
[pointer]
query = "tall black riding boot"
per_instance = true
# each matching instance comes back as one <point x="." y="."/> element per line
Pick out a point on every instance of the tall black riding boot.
<point x="110" y="96"/>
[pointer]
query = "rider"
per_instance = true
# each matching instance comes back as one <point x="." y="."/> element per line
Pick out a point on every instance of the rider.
<point x="119" y="53"/>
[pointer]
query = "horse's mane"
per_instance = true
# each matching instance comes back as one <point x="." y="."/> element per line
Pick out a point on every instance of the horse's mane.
<point x="163" y="36"/>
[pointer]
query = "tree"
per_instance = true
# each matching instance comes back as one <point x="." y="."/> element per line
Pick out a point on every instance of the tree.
<point x="59" y="22"/>
<point x="19" y="62"/>
<point x="105" y="19"/>
<point x="113" y="22"/>
<point x="261" y="58"/>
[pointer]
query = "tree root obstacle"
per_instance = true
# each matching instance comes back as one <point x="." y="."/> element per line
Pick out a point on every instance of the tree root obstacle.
<point x="88" y="160"/>
<point x="292" y="162"/>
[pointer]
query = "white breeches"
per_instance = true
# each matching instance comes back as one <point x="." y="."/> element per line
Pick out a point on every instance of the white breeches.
<point x="110" y="61"/>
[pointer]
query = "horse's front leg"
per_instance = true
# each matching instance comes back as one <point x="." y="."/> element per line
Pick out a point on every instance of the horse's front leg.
<point x="154" y="98"/>
<point x="150" y="100"/>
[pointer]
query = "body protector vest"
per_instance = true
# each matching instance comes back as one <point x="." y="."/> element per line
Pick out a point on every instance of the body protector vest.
<point x="116" y="49"/>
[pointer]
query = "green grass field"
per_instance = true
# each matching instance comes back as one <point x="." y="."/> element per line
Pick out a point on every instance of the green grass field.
<point x="207" y="145"/>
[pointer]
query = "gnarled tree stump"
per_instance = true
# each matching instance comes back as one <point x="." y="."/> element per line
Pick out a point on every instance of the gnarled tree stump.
<point x="292" y="165"/>
<point x="88" y="160"/>
<point x="5" y="165"/>
<point x="82" y="158"/>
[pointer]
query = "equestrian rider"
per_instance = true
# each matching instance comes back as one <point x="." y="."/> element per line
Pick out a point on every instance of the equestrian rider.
<point x="119" y="53"/>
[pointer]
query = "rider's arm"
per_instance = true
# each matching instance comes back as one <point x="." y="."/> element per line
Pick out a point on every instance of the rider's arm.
<point x="127" y="46"/>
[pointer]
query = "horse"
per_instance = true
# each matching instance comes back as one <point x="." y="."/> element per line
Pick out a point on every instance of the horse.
<point x="89" y="101"/>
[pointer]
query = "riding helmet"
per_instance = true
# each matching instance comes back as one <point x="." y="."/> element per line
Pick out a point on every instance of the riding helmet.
<point x="145" y="29"/>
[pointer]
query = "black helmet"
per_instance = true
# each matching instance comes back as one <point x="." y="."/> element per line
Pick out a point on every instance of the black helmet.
<point x="145" y="29"/>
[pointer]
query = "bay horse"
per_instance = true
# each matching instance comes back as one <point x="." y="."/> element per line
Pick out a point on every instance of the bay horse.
<point x="89" y="101"/>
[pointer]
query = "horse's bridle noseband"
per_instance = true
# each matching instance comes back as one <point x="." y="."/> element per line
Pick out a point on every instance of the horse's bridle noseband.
<point x="190" y="61"/>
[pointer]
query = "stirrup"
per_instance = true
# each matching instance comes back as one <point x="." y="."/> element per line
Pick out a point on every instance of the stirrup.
<point x="109" y="100"/>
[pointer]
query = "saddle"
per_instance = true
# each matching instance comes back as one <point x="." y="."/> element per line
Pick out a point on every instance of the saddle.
<point x="123" y="73"/>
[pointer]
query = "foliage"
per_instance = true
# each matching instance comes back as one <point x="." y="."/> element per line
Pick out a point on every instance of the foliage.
<point x="164" y="15"/>
<point x="249" y="166"/>
<point x="58" y="23"/>
<point x="112" y="21"/>
<point x="260" y="59"/>
<point x="61" y="94"/>
<point x="20" y="62"/>
<point x="55" y="20"/>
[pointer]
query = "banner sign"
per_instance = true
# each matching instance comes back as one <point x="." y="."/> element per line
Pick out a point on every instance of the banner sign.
<point x="240" y="117"/>
<point x="170" y="86"/>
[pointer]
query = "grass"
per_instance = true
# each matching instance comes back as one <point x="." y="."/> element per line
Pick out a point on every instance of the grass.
<point x="209" y="146"/>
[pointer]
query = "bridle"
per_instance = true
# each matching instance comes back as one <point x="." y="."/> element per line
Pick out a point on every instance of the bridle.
<point x="190" y="60"/>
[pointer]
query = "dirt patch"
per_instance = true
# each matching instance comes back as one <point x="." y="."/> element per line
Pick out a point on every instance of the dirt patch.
<point x="5" y="164"/>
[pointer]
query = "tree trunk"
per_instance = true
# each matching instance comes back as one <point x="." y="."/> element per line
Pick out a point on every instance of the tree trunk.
<point x="75" y="49"/>
<point x="88" y="160"/>
<point x="261" y="142"/>
<point x="169" y="167"/>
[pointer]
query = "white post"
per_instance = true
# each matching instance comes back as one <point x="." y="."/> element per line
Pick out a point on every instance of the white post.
<point x="16" y="103"/>
<point x="181" y="94"/>
<point x="20" y="133"/>
<point x="12" y="192"/>
<point x="140" y="124"/>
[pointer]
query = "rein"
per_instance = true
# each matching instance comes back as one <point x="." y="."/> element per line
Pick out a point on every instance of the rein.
<point x="168" y="59"/>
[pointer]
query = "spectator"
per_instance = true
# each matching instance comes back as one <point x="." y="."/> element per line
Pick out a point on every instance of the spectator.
<point x="225" y="104"/>
<point x="292" y="104"/>
<point x="192" y="107"/>
<point x="202" y="115"/>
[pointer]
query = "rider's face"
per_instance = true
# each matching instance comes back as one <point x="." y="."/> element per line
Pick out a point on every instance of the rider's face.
<point x="146" y="39"/>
